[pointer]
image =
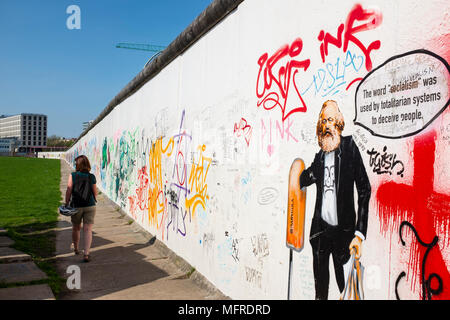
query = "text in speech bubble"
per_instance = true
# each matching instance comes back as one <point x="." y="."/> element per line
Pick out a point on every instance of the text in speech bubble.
<point x="404" y="95"/>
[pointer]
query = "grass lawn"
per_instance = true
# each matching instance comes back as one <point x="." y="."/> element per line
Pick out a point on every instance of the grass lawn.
<point x="29" y="200"/>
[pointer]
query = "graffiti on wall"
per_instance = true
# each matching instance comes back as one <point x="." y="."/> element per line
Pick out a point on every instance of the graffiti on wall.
<point x="346" y="33"/>
<point x="243" y="129"/>
<point x="273" y="132"/>
<point x="397" y="99"/>
<point x="428" y="290"/>
<point x="276" y="77"/>
<point x="427" y="211"/>
<point x="133" y="173"/>
<point x="384" y="162"/>
<point x="282" y="81"/>
<point x="176" y="196"/>
<point x="400" y="98"/>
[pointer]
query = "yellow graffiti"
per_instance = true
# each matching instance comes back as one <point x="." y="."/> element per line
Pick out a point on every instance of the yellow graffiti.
<point x="156" y="198"/>
<point x="197" y="182"/>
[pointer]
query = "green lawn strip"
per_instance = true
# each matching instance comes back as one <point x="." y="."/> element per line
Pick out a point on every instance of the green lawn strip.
<point x="22" y="284"/>
<point x="29" y="198"/>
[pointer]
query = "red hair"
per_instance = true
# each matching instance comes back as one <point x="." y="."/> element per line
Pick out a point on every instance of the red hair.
<point x="82" y="164"/>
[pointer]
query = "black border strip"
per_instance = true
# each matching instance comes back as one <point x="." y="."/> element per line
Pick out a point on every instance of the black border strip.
<point x="423" y="51"/>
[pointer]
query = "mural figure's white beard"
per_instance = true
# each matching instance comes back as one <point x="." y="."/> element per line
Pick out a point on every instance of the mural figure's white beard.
<point x="329" y="141"/>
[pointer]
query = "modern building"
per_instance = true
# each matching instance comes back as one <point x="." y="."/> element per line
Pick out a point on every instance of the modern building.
<point x="30" y="130"/>
<point x="8" y="146"/>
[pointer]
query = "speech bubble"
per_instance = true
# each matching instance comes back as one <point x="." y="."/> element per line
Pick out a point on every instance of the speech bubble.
<point x="402" y="96"/>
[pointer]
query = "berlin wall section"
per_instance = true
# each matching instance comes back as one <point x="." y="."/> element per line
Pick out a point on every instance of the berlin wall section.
<point x="199" y="155"/>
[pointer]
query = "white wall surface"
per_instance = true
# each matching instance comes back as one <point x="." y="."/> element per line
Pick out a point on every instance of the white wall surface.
<point x="51" y="155"/>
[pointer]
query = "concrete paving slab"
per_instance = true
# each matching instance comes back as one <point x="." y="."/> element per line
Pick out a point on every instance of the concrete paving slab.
<point x="125" y="253"/>
<point x="8" y="255"/>
<point x="110" y="277"/>
<point x="20" y="272"/>
<point x="3" y="232"/>
<point x="35" y="292"/>
<point x="127" y="239"/>
<point x="112" y="229"/>
<point x="164" y="289"/>
<point x="6" y="242"/>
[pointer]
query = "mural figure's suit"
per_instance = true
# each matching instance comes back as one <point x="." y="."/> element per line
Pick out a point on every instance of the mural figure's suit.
<point x="335" y="240"/>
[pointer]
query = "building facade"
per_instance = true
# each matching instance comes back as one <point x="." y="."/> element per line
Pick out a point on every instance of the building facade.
<point x="30" y="129"/>
<point x="8" y="145"/>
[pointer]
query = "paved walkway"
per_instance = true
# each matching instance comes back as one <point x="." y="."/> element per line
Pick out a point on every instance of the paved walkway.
<point x="127" y="262"/>
<point x="17" y="268"/>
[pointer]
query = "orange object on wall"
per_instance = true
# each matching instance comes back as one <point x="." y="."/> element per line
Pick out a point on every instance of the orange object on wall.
<point x="295" y="230"/>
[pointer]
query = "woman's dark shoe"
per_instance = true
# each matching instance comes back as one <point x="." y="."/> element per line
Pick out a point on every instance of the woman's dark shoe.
<point x="87" y="258"/>
<point x="76" y="251"/>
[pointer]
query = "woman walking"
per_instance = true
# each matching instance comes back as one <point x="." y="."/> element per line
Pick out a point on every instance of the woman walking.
<point x="79" y="181"/>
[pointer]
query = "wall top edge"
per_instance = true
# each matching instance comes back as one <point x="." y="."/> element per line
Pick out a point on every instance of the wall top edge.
<point x="205" y="21"/>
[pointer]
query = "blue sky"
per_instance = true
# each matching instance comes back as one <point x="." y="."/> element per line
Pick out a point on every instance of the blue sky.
<point x="71" y="75"/>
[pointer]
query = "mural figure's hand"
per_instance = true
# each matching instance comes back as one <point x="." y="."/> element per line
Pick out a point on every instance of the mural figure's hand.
<point x="356" y="245"/>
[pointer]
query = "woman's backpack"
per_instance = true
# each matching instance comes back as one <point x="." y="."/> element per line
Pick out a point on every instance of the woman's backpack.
<point x="82" y="191"/>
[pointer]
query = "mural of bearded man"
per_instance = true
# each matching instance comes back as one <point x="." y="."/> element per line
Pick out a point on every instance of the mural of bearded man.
<point x="336" y="228"/>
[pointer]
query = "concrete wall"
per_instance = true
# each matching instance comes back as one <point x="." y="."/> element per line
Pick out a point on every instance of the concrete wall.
<point x="51" y="155"/>
<point x="200" y="155"/>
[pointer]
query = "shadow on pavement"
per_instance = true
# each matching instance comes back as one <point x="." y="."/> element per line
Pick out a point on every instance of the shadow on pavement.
<point x="111" y="269"/>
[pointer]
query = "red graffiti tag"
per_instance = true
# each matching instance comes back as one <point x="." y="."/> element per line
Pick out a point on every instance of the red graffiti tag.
<point x="132" y="201"/>
<point x="275" y="79"/>
<point x="140" y="199"/>
<point x="142" y="189"/>
<point x="353" y="81"/>
<point x="243" y="129"/>
<point x="425" y="209"/>
<point x="346" y="33"/>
